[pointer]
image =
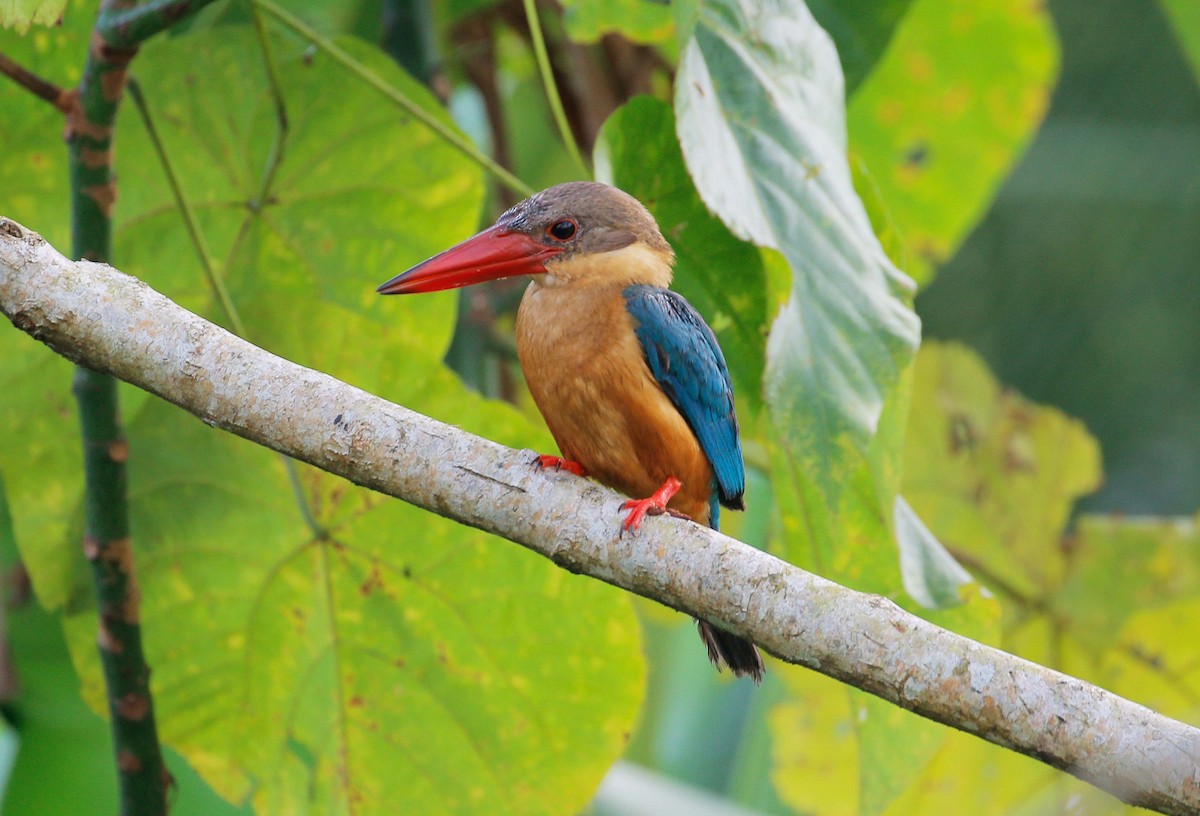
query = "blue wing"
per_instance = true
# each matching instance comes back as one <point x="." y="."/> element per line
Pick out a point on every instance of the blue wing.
<point x="684" y="357"/>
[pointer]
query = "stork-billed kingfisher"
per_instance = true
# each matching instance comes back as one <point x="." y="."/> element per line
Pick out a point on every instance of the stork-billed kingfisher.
<point x="626" y="373"/>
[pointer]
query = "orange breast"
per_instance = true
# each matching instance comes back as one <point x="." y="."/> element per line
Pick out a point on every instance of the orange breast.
<point x="585" y="370"/>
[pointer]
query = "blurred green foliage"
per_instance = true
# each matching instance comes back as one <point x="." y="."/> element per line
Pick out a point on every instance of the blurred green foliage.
<point x="316" y="647"/>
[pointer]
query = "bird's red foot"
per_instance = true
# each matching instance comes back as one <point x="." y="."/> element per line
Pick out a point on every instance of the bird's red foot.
<point x="656" y="505"/>
<point x="558" y="463"/>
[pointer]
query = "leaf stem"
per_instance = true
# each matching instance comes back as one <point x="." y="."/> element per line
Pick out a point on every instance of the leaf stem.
<point x="275" y="157"/>
<point x="373" y="79"/>
<point x="552" y="96"/>
<point x="215" y="283"/>
<point x="216" y="279"/>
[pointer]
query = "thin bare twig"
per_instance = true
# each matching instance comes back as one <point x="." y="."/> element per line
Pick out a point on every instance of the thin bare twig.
<point x="44" y="89"/>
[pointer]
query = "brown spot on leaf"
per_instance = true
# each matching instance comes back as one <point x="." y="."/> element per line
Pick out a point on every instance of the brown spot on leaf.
<point x="1018" y="455"/>
<point x="917" y="156"/>
<point x="133" y="707"/>
<point x="373" y="582"/>
<point x="357" y="701"/>
<point x="963" y="435"/>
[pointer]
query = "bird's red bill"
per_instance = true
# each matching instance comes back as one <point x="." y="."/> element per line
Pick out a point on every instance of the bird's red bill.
<point x="491" y="255"/>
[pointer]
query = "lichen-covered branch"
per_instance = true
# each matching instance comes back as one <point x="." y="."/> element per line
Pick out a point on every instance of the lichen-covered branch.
<point x="108" y="321"/>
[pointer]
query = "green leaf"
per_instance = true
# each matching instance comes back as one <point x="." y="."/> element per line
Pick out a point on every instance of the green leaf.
<point x="21" y="14"/>
<point x="993" y="475"/>
<point x="343" y="201"/>
<point x="1124" y="567"/>
<point x="641" y="21"/>
<point x="861" y="30"/>
<point x="761" y="124"/>
<point x="397" y="661"/>
<point x="948" y="112"/>
<point x="1185" y="17"/>
<point x="33" y="174"/>
<point x="378" y="658"/>
<point x="996" y="476"/>
<point x="931" y="575"/>
<point x="814" y="746"/>
<point x="721" y="275"/>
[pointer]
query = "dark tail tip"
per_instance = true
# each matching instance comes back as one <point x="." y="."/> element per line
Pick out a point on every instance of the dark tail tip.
<point x="739" y="654"/>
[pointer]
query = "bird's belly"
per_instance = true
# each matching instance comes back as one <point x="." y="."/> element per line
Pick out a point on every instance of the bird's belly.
<point x="606" y="411"/>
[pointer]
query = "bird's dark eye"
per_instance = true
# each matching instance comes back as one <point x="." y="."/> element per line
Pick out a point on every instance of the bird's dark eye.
<point x="562" y="230"/>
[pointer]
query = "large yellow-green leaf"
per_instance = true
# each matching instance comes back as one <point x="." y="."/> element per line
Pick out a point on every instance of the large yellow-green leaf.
<point x="861" y="29"/>
<point x="361" y="192"/>
<point x="762" y="127"/>
<point x="837" y="750"/>
<point x="45" y="472"/>
<point x="996" y="476"/>
<point x="1125" y="619"/>
<point x="393" y="660"/>
<point x="1122" y="567"/>
<point x="346" y="653"/>
<point x="21" y="14"/>
<point x="993" y="475"/>
<point x="33" y="175"/>
<point x="947" y="113"/>
<point x="720" y="274"/>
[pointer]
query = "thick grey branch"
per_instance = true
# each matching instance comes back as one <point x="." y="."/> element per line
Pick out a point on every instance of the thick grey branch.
<point x="110" y="322"/>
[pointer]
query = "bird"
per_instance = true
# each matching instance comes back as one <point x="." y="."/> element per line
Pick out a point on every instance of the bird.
<point x="627" y="375"/>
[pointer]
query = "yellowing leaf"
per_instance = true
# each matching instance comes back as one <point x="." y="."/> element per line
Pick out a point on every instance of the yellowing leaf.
<point x="993" y="475"/>
<point x="948" y="111"/>
<point x="21" y="14"/>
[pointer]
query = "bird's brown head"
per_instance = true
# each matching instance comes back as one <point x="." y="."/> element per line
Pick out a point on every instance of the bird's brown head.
<point x="574" y="232"/>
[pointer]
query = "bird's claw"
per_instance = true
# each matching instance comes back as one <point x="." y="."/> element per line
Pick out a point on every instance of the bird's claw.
<point x="655" y="505"/>
<point x="545" y="460"/>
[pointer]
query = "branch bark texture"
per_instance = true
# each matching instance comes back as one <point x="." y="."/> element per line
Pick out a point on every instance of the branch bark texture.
<point x="111" y="322"/>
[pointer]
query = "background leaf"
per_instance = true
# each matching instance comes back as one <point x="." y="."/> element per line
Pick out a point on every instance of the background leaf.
<point x="721" y="275"/>
<point x="1185" y="17"/>
<point x="761" y="124"/>
<point x="861" y="30"/>
<point x="948" y="112"/>
<point x="642" y="21"/>
<point x="349" y="653"/>
<point x="21" y="14"/>
<point x="994" y="476"/>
